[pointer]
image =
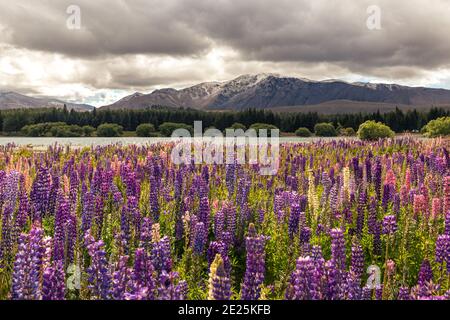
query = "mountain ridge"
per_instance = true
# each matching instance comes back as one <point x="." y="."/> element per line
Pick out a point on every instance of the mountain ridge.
<point x="13" y="100"/>
<point x="266" y="91"/>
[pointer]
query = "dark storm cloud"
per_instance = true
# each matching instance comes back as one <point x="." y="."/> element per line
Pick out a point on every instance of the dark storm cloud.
<point x="108" y="27"/>
<point x="414" y="33"/>
<point x="126" y="44"/>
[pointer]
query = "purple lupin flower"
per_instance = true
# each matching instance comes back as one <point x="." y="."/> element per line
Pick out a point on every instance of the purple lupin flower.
<point x="21" y="269"/>
<point x="425" y="273"/>
<point x="334" y="279"/>
<point x="338" y="248"/>
<point x="53" y="282"/>
<point x="220" y="282"/>
<point x="403" y="294"/>
<point x="40" y="193"/>
<point x="219" y="223"/>
<point x="230" y="178"/>
<point x="120" y="279"/>
<point x="22" y="215"/>
<point x="204" y="212"/>
<point x="160" y="255"/>
<point x="146" y="234"/>
<point x="142" y="275"/>
<point x="171" y="288"/>
<point x="294" y="219"/>
<point x="62" y="215"/>
<point x="87" y="211"/>
<point x="199" y="238"/>
<point x="98" y="272"/>
<point x="255" y="265"/>
<point x="71" y="235"/>
<point x="389" y="225"/>
<point x="362" y="201"/>
<point x="357" y="261"/>
<point x="154" y="195"/>
<point x="443" y="249"/>
<point x="37" y="251"/>
<point x="305" y="284"/>
<point x="377" y="177"/>
<point x="219" y="247"/>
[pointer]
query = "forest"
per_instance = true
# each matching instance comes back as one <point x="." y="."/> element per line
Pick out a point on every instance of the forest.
<point x="12" y="121"/>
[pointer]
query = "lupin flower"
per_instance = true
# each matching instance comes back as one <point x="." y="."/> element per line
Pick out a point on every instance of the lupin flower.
<point x="338" y="248"/>
<point x="160" y="255"/>
<point x="389" y="225"/>
<point x="219" y="287"/>
<point x="98" y="272"/>
<point x="357" y="261"/>
<point x="255" y="265"/>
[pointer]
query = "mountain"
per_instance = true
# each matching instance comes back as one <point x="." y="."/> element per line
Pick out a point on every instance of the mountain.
<point x="274" y="91"/>
<point x="13" y="100"/>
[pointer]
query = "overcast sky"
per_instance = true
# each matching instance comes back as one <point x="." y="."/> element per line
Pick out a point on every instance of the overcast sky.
<point x="140" y="45"/>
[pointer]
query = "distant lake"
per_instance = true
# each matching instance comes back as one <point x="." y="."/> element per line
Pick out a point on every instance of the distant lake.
<point x="83" y="142"/>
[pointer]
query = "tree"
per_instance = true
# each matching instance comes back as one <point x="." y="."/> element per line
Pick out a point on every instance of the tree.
<point x="238" y="125"/>
<point x="347" y="132"/>
<point x="145" y="130"/>
<point x="167" y="128"/>
<point x="109" y="130"/>
<point x="263" y="126"/>
<point x="437" y="128"/>
<point x="371" y="130"/>
<point x="303" y="132"/>
<point x="88" y="130"/>
<point x="325" y="130"/>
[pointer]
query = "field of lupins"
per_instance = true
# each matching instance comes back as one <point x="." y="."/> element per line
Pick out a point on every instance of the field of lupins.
<point x="340" y="220"/>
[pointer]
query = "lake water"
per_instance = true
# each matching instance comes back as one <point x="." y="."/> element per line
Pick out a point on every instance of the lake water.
<point x="82" y="142"/>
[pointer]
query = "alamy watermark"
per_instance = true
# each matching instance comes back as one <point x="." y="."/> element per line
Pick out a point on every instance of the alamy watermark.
<point x="235" y="147"/>
<point x="73" y="21"/>
<point x="373" y="21"/>
<point x="74" y="280"/>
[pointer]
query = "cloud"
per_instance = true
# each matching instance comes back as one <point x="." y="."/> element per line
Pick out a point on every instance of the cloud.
<point x="139" y="45"/>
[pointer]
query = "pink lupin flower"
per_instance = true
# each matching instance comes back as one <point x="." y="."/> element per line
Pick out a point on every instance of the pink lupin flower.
<point x="436" y="207"/>
<point x="447" y="194"/>
<point x="390" y="177"/>
<point x="419" y="204"/>
<point x="407" y="183"/>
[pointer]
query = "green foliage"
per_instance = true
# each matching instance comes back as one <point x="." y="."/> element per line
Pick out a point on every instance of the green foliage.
<point x="263" y="126"/>
<point x="303" y="132"/>
<point x="325" y="130"/>
<point x="88" y="130"/>
<point x="437" y="128"/>
<point x="11" y="121"/>
<point x="167" y="128"/>
<point x="145" y="130"/>
<point x="237" y="126"/>
<point x="109" y="130"/>
<point x="371" y="130"/>
<point x="347" y="132"/>
<point x="52" y="129"/>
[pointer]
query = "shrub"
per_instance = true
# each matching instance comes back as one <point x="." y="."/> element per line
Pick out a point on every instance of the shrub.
<point x="145" y="130"/>
<point x="347" y="132"/>
<point x="263" y="126"/>
<point x="438" y="127"/>
<point x="52" y="129"/>
<point x="371" y="130"/>
<point x="325" y="130"/>
<point x="303" y="132"/>
<point x="237" y="126"/>
<point x="167" y="128"/>
<point x="109" y="130"/>
<point x="88" y="130"/>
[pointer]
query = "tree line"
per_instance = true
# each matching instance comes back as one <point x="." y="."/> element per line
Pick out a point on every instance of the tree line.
<point x="400" y="121"/>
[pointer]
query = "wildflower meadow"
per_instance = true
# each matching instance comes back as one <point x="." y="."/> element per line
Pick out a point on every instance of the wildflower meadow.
<point x="340" y="220"/>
